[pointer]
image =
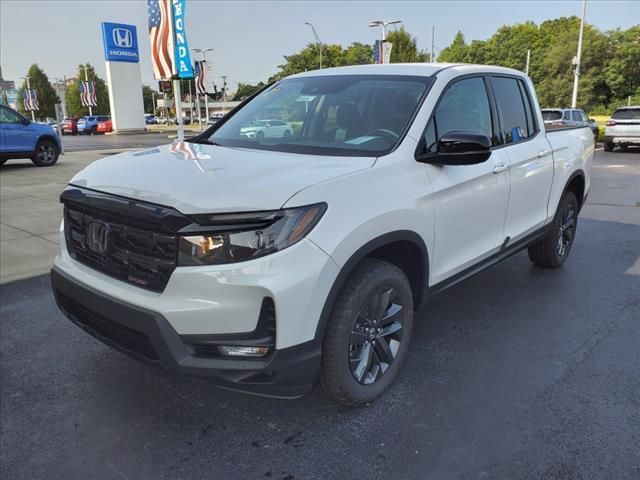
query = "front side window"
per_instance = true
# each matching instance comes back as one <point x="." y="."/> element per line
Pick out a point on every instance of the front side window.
<point x="464" y="107"/>
<point x="10" y="118"/>
<point x="511" y="108"/>
<point x="576" y="116"/>
<point x="357" y="115"/>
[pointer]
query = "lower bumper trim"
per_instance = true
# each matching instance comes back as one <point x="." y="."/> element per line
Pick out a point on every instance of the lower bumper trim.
<point x="148" y="337"/>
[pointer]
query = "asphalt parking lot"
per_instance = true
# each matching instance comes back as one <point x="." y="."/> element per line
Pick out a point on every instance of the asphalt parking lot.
<point x="76" y="143"/>
<point x="517" y="373"/>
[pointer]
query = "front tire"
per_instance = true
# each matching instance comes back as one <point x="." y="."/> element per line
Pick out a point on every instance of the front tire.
<point x="368" y="334"/>
<point x="552" y="250"/>
<point x="46" y="154"/>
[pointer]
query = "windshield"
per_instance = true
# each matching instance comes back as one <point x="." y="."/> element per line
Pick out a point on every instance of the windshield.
<point x="626" y="114"/>
<point x="550" y="115"/>
<point x="363" y="115"/>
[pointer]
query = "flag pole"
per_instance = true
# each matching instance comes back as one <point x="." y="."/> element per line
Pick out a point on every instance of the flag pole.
<point x="177" y="96"/>
<point x="33" y="116"/>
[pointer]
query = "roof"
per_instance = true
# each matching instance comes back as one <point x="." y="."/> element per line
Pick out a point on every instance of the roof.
<point x="420" y="69"/>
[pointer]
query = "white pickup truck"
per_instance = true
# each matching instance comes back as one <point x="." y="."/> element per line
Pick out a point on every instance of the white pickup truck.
<point x="270" y="264"/>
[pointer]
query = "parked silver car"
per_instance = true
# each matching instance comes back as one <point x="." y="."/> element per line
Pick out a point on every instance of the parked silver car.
<point x="569" y="117"/>
<point x="623" y="128"/>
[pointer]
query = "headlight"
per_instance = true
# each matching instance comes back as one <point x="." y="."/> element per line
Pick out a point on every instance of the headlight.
<point x="240" y="237"/>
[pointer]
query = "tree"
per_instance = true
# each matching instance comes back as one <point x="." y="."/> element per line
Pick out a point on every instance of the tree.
<point x="147" y="98"/>
<point x="245" y="90"/>
<point x="357" y="54"/>
<point x="72" y="94"/>
<point x="456" y="52"/>
<point x="47" y="97"/>
<point x="405" y="48"/>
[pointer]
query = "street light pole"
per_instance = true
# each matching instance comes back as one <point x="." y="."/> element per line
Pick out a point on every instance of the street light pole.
<point x="433" y="43"/>
<point x="86" y="79"/>
<point x="318" y="41"/>
<point x="574" y="98"/>
<point x="526" y="70"/>
<point x="383" y="24"/>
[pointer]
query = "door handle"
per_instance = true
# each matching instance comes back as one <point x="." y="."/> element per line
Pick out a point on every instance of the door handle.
<point x="543" y="153"/>
<point x="500" y="167"/>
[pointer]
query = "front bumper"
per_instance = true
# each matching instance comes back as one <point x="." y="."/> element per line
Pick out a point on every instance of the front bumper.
<point x="148" y="337"/>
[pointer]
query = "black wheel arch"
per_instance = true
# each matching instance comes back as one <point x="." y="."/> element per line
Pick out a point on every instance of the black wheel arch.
<point x="398" y="247"/>
<point x="576" y="183"/>
<point x="49" y="138"/>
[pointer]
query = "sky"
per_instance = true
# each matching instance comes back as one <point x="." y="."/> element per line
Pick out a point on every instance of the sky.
<point x="250" y="38"/>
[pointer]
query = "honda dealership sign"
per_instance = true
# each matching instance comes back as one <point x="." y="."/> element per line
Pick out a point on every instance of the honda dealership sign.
<point x="120" y="42"/>
<point x="123" y="76"/>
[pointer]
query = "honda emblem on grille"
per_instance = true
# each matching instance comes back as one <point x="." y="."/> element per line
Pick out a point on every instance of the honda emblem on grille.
<point x="97" y="239"/>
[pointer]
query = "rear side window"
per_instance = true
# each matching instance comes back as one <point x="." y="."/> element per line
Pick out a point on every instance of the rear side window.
<point x="626" y="114"/>
<point x="551" y="115"/>
<point x="463" y="107"/>
<point x="511" y="109"/>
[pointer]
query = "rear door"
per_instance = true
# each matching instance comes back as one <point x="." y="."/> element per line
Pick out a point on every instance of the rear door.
<point x="529" y="154"/>
<point x="470" y="201"/>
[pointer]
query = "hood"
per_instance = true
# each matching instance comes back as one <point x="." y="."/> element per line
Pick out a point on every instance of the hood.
<point x="195" y="178"/>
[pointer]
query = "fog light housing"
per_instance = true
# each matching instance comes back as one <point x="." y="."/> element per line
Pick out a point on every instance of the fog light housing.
<point x="232" y="351"/>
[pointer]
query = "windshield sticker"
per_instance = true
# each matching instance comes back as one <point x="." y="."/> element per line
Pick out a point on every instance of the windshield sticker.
<point x="360" y="140"/>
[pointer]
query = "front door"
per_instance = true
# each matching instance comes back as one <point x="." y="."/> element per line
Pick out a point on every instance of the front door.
<point x="470" y="201"/>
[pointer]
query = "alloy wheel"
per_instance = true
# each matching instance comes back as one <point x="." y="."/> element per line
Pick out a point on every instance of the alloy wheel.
<point x="46" y="153"/>
<point x="567" y="230"/>
<point x="376" y="336"/>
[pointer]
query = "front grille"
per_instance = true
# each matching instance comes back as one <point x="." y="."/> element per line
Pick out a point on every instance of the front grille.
<point x="113" y="333"/>
<point x="141" y="246"/>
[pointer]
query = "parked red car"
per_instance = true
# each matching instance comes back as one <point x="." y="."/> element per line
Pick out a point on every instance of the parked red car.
<point x="104" y="127"/>
<point x="69" y="126"/>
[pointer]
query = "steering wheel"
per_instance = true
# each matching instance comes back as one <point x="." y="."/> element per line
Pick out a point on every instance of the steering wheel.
<point x="383" y="132"/>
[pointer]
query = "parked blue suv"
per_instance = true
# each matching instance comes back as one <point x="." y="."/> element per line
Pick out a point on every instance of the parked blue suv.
<point x="22" y="138"/>
<point x="89" y="125"/>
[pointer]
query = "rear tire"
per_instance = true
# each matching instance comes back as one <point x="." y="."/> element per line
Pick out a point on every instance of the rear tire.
<point x="368" y="334"/>
<point x="552" y="250"/>
<point x="46" y="154"/>
<point x="608" y="146"/>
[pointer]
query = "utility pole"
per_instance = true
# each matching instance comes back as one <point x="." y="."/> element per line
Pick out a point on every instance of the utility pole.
<point x="318" y="41"/>
<point x="153" y="102"/>
<point x="526" y="70"/>
<point x="224" y="93"/>
<point x="86" y="79"/>
<point x="433" y="44"/>
<point x="198" y="104"/>
<point x="33" y="117"/>
<point x="574" y="98"/>
<point x="190" y="103"/>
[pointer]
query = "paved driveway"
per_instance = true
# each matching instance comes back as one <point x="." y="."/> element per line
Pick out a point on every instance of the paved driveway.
<point x="517" y="373"/>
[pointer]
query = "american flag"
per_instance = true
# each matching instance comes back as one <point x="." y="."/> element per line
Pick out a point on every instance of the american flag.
<point x="30" y="99"/>
<point x="88" y="96"/>
<point x="161" y="34"/>
<point x="200" y="73"/>
<point x="378" y="52"/>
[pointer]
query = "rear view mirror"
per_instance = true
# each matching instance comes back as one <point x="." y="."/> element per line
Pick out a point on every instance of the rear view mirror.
<point x="460" y="148"/>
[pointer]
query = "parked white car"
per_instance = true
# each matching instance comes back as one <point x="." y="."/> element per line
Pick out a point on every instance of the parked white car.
<point x="271" y="264"/>
<point x="267" y="129"/>
<point x="622" y="129"/>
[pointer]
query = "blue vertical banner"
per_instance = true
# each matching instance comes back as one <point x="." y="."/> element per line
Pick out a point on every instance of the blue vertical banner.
<point x="181" y="47"/>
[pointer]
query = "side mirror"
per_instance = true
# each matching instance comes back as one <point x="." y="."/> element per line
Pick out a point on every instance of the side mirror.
<point x="26" y="121"/>
<point x="460" y="148"/>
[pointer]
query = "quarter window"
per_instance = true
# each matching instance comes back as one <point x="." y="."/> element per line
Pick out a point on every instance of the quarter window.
<point x="511" y="108"/>
<point x="464" y="107"/>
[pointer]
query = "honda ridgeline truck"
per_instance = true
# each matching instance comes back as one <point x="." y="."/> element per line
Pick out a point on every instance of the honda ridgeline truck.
<point x="272" y="263"/>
